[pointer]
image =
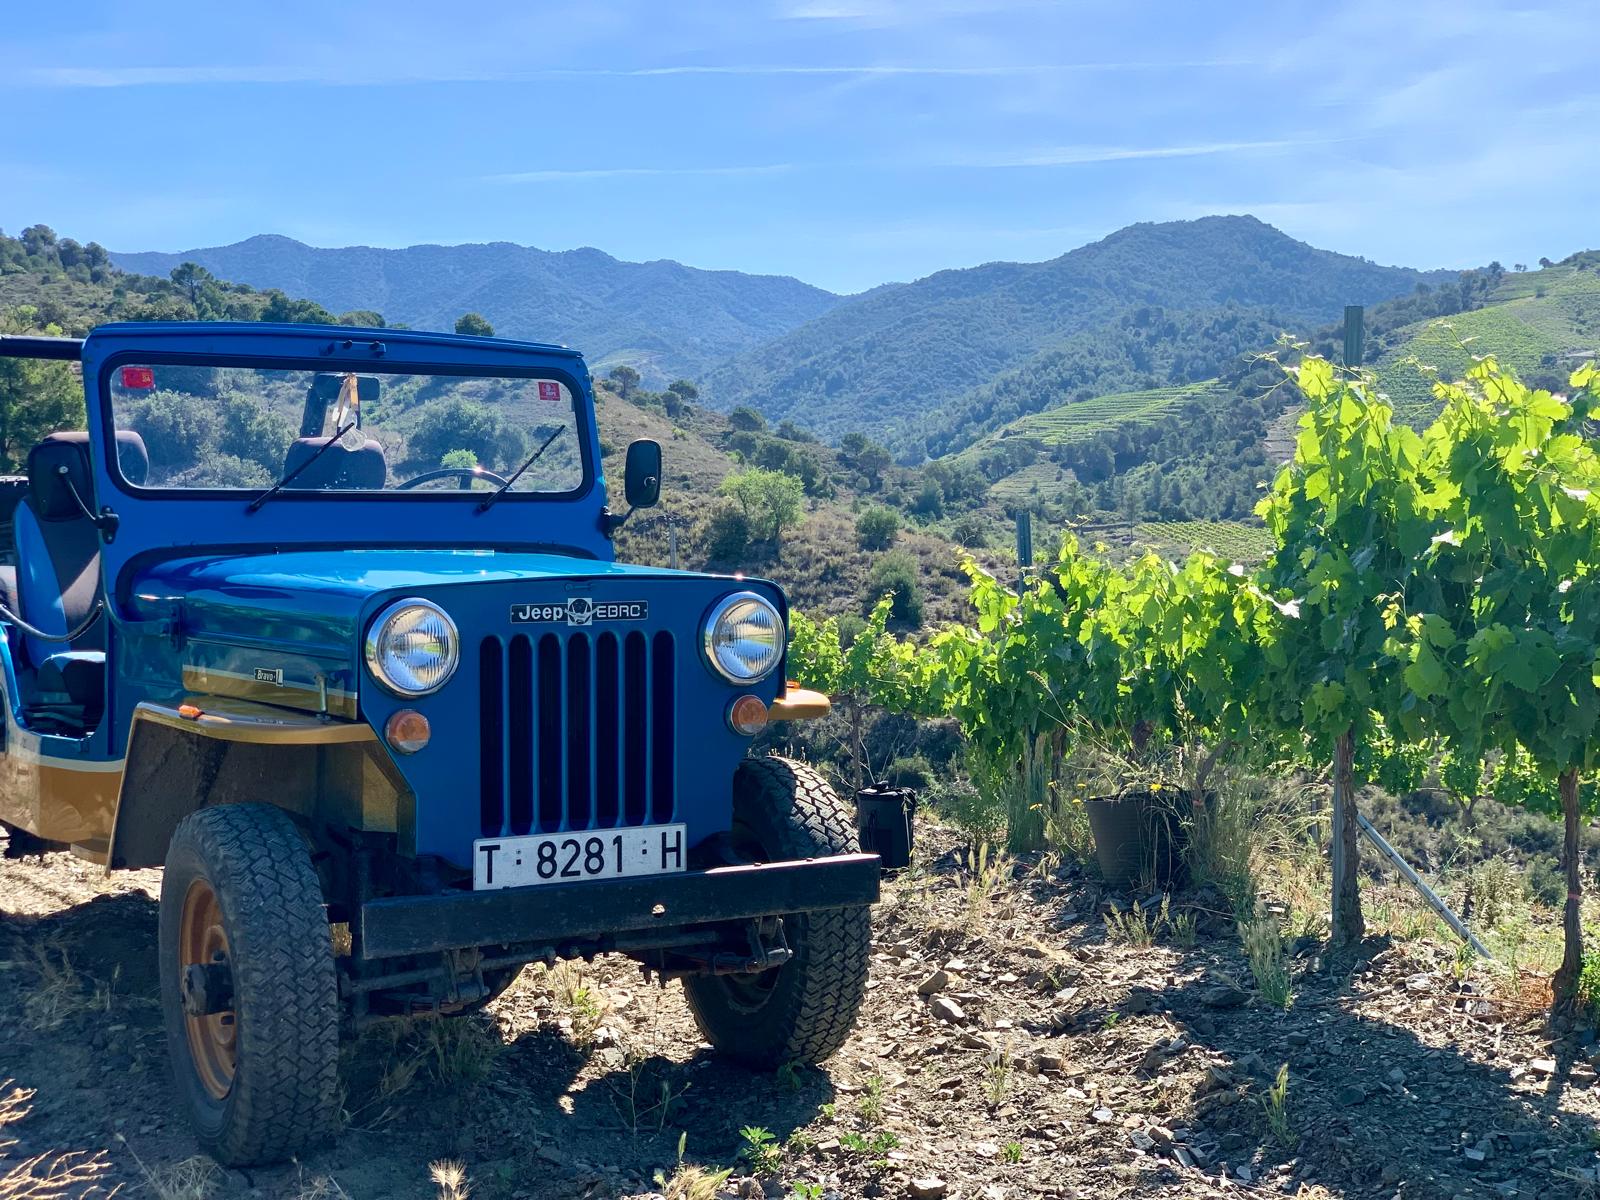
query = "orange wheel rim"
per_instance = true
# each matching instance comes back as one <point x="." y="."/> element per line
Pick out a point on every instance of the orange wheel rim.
<point x="213" y="1038"/>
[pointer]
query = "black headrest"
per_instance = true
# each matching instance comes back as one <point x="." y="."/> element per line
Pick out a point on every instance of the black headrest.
<point x="339" y="466"/>
<point x="47" y="486"/>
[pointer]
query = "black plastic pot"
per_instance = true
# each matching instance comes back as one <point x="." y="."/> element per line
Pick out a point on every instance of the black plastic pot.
<point x="884" y="819"/>
<point x="1139" y="838"/>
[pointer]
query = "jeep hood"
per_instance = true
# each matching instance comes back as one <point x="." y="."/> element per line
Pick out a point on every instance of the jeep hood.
<point x="297" y="616"/>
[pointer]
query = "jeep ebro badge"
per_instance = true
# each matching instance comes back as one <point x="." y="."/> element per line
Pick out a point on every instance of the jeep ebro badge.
<point x="372" y="689"/>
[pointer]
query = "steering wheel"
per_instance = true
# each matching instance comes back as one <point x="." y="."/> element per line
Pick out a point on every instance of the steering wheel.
<point x="465" y="474"/>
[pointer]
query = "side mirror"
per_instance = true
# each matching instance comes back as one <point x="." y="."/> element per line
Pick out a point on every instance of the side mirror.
<point x="641" y="476"/>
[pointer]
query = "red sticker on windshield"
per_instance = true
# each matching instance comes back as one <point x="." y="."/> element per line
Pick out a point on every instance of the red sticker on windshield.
<point x="138" y="378"/>
<point x="549" y="391"/>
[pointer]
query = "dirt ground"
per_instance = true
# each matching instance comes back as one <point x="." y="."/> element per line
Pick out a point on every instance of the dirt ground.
<point x="1011" y="1046"/>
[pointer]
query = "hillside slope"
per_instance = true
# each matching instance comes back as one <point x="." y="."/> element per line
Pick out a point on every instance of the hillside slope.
<point x="1540" y="323"/>
<point x="662" y="317"/>
<point x="903" y="352"/>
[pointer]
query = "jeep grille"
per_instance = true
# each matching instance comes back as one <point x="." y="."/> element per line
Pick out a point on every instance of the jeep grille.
<point x="576" y="731"/>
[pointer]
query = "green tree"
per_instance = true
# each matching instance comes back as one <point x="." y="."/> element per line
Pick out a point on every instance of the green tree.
<point x="770" y="500"/>
<point x="472" y="323"/>
<point x="727" y="535"/>
<point x="626" y="379"/>
<point x="190" y="278"/>
<point x="458" y="424"/>
<point x="861" y="454"/>
<point x="876" y="528"/>
<point x="362" y="318"/>
<point x="895" y="575"/>
<point x="746" y="420"/>
<point x="36" y="397"/>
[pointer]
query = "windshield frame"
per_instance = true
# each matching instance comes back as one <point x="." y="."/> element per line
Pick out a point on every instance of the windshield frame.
<point x="583" y="426"/>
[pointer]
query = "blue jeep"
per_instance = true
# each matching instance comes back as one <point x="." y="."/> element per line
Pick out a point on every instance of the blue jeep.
<point x="327" y="623"/>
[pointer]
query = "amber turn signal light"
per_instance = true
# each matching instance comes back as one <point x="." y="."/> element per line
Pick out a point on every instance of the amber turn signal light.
<point x="748" y="715"/>
<point x="407" y="730"/>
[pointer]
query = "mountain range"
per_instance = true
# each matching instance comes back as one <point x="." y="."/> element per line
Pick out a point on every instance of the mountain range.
<point x="931" y="364"/>
<point x="929" y="367"/>
<point x="664" y="318"/>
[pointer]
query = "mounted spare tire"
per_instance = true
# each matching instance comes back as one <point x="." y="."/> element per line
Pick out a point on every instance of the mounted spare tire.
<point x="803" y="1010"/>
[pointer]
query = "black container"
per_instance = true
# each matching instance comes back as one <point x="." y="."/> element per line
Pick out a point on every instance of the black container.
<point x="884" y="818"/>
<point x="1139" y="838"/>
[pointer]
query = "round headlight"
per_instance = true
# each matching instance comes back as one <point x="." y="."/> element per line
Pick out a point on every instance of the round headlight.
<point x="412" y="648"/>
<point x="744" y="637"/>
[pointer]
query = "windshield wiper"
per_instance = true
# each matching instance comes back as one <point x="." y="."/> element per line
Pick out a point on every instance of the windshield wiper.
<point x="517" y="474"/>
<point x="290" y="477"/>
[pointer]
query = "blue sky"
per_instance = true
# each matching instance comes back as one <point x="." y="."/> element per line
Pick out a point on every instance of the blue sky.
<point x="847" y="142"/>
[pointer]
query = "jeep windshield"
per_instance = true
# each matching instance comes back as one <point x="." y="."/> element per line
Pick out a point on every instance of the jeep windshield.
<point x="248" y="429"/>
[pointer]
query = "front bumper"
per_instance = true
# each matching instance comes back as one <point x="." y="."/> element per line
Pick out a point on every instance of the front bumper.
<point x="566" y="912"/>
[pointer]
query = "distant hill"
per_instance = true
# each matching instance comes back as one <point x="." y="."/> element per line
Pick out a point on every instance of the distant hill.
<point x="1149" y="306"/>
<point x="1541" y="323"/>
<point x="664" y="318"/>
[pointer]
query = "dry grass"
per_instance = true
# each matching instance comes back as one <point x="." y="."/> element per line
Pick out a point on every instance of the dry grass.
<point x="450" y="1178"/>
<point x="60" y="992"/>
<point x="48" y="1176"/>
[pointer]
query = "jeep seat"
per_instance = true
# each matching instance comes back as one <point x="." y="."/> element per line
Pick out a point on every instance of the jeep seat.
<point x="339" y="468"/>
<point x="58" y="577"/>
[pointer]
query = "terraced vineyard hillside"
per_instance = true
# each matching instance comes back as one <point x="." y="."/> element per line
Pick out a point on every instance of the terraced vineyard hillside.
<point x="1542" y="322"/>
<point x="1074" y="423"/>
<point x="1238" y="541"/>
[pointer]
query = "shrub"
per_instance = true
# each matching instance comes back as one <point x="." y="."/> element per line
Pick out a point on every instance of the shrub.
<point x="912" y="771"/>
<point x="982" y="817"/>
<point x="896" y="574"/>
<point x="876" y="528"/>
<point x="969" y="531"/>
<point x="727" y="534"/>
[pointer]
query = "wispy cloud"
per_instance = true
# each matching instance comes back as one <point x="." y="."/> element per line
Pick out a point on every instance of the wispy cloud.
<point x="1060" y="157"/>
<point x="551" y="176"/>
<point x="1070" y="156"/>
<point x="390" y="74"/>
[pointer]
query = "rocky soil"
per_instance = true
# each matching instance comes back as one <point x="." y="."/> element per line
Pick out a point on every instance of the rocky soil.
<point x="1011" y="1046"/>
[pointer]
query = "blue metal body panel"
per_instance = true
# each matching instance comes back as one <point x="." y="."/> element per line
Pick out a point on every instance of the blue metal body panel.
<point x="203" y="596"/>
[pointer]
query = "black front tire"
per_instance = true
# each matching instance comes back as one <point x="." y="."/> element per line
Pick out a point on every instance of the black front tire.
<point x="802" y="1011"/>
<point x="240" y="877"/>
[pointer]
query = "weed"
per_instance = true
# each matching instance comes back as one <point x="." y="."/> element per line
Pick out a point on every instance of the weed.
<point x="450" y="1177"/>
<point x="807" y="1191"/>
<point x="1275" y="1103"/>
<point x="990" y="869"/>
<point x="829" y="1110"/>
<point x="1011" y="1153"/>
<point x="1589" y="981"/>
<point x="761" y="1150"/>
<point x="871" y="1105"/>
<point x="1263" y="944"/>
<point x="801" y="1141"/>
<point x="997" y="1077"/>
<point x="584" y="1008"/>
<point x="642" y="1100"/>
<point x="1493" y="889"/>
<point x="1110" y="1020"/>
<point x="878" y="1146"/>
<point x="690" y="1182"/>
<point x="1132" y="927"/>
<point x="1180" y="926"/>
<point x="789" y="1076"/>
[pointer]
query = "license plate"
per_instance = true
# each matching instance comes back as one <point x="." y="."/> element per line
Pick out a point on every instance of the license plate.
<point x="566" y="857"/>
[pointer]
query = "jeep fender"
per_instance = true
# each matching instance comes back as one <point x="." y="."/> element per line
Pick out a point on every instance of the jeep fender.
<point x="212" y="750"/>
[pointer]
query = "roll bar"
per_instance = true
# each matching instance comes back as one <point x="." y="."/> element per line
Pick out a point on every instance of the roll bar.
<point x="16" y="345"/>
